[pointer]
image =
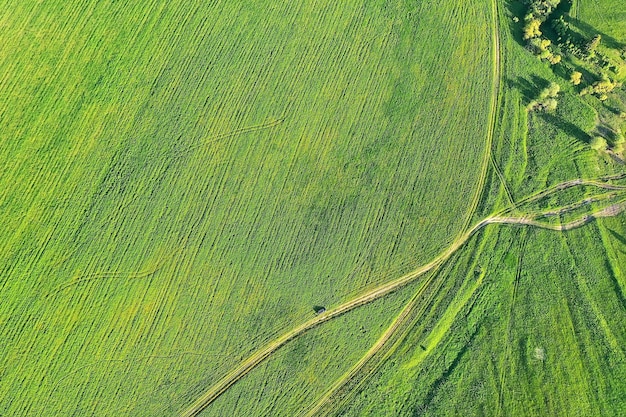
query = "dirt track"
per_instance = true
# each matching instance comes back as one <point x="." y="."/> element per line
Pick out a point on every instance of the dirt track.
<point x="247" y="365"/>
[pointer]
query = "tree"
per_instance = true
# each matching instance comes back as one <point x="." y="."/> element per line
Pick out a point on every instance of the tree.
<point x="549" y="104"/>
<point x="593" y="44"/>
<point x="598" y="143"/>
<point x="531" y="29"/>
<point x="554" y="59"/>
<point x="575" y="77"/>
<point x="552" y="91"/>
<point x="602" y="88"/>
<point x="547" y="99"/>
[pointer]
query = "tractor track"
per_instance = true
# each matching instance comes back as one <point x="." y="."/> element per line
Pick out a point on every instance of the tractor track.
<point x="405" y="315"/>
<point x="499" y="218"/>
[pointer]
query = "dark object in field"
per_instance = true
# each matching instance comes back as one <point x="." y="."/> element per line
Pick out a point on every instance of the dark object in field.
<point x="319" y="309"/>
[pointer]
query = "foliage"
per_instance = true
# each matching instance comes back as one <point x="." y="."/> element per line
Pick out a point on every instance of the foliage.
<point x="546" y="101"/>
<point x="598" y="143"/>
<point x="576" y="77"/>
<point x="601" y="88"/>
<point x="531" y="29"/>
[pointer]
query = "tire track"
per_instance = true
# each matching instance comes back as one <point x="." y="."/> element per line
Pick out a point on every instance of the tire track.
<point x="255" y="359"/>
<point x="493" y="115"/>
<point x="500" y="175"/>
<point x="113" y="275"/>
<point x="402" y="319"/>
<point x="236" y="132"/>
<point x="509" y="330"/>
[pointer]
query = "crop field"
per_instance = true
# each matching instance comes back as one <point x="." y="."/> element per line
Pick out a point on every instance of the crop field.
<point x="183" y="183"/>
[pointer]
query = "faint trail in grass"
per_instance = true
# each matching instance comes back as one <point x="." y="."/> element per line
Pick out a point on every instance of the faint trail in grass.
<point x="599" y="183"/>
<point x="574" y="10"/>
<point x="241" y="131"/>
<point x="506" y="354"/>
<point x="493" y="114"/>
<point x="507" y="191"/>
<point x="612" y="340"/>
<point x="113" y="275"/>
<point x="255" y="359"/>
<point x="579" y="204"/>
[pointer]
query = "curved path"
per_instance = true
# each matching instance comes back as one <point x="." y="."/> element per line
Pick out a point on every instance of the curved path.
<point x="499" y="218"/>
<point x="233" y="376"/>
<point x="497" y="74"/>
<point x="493" y="116"/>
<point x="466" y="232"/>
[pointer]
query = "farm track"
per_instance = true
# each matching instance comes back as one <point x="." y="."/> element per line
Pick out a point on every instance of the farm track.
<point x="493" y="115"/>
<point x="401" y="320"/>
<point x="487" y="158"/>
<point x="599" y="183"/>
<point x="466" y="232"/>
<point x="498" y="218"/>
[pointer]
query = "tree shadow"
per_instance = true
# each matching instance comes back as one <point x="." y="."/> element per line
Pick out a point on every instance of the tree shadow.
<point x="591" y="31"/>
<point x="528" y="89"/>
<point x="541" y="83"/>
<point x="517" y="10"/>
<point x="617" y="236"/>
<point x="319" y="309"/>
<point x="567" y="127"/>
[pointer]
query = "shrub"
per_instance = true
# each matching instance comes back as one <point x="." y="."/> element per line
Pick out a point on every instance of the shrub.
<point x="531" y="29"/>
<point x="598" y="143"/>
<point x="576" y="77"/>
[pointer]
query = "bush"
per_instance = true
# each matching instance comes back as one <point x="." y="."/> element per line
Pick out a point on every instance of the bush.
<point x="531" y="29"/>
<point x="598" y="143"/>
<point x="550" y="104"/>
<point x="551" y="91"/>
<point x="576" y="77"/>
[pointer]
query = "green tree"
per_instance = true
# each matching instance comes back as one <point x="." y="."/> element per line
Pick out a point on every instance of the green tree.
<point x="593" y="44"/>
<point x="531" y="29"/>
<point x="598" y="143"/>
<point x="550" y="104"/>
<point x="575" y="77"/>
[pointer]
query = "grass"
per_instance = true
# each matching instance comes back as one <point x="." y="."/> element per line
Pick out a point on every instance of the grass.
<point x="182" y="182"/>
<point x="537" y="295"/>
<point x="607" y="16"/>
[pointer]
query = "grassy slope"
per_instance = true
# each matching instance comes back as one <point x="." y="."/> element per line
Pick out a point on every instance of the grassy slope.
<point x="607" y="16"/>
<point x="181" y="182"/>
<point x="545" y="336"/>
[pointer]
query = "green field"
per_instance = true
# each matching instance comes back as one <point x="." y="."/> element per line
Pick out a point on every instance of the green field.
<point x="183" y="182"/>
<point x="608" y="16"/>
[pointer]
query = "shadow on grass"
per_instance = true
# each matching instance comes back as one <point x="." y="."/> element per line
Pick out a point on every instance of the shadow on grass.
<point x="529" y="88"/>
<point x="591" y="31"/>
<point x="617" y="236"/>
<point x="569" y="128"/>
<point x="619" y="292"/>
